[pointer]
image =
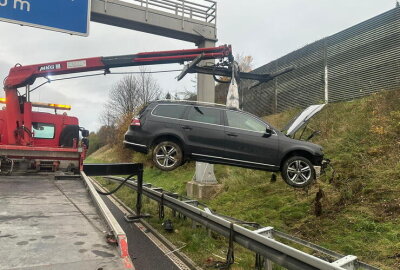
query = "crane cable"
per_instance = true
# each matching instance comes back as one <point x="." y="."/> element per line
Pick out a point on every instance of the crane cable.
<point x="103" y="73"/>
<point x="107" y="72"/>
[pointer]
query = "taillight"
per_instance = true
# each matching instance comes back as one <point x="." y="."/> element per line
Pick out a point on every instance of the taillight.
<point x="135" y="122"/>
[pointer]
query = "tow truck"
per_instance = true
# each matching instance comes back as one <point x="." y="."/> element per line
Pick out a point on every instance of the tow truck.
<point x="50" y="142"/>
<point x="55" y="218"/>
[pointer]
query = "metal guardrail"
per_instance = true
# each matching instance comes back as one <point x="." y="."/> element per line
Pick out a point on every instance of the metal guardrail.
<point x="263" y="241"/>
<point x="202" y="10"/>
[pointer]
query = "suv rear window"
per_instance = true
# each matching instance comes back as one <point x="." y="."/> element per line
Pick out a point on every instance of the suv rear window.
<point x="205" y="115"/>
<point x="170" y="110"/>
<point x="142" y="110"/>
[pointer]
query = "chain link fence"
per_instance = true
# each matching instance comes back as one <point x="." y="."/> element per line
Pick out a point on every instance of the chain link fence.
<point x="353" y="63"/>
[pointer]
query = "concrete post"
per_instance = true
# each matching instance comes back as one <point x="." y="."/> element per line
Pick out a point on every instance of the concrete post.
<point x="206" y="93"/>
<point x="205" y="184"/>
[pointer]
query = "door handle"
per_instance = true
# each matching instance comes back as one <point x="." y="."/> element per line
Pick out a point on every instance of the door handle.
<point x="232" y="134"/>
<point x="187" y="128"/>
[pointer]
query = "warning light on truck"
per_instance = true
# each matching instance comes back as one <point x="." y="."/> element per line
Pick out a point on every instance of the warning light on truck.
<point x="45" y="105"/>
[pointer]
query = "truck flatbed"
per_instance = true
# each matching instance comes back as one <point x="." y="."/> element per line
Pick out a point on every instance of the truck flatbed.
<point x="53" y="224"/>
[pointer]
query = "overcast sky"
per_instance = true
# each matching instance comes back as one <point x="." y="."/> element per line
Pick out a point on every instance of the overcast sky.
<point x="264" y="29"/>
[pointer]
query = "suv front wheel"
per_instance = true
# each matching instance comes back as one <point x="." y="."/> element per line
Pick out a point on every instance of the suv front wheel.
<point x="167" y="155"/>
<point x="298" y="172"/>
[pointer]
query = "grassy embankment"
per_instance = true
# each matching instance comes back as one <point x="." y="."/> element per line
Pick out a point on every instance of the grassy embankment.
<point x="360" y="207"/>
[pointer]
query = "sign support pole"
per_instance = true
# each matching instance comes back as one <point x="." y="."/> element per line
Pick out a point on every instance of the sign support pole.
<point x="206" y="93"/>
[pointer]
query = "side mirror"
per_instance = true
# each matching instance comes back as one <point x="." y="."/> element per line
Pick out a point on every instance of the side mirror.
<point x="85" y="141"/>
<point x="85" y="133"/>
<point x="268" y="132"/>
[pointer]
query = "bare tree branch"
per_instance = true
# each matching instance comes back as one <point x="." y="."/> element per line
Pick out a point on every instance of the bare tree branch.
<point x="129" y="94"/>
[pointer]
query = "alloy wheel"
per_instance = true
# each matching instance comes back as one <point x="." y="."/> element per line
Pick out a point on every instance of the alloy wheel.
<point x="299" y="172"/>
<point x="167" y="156"/>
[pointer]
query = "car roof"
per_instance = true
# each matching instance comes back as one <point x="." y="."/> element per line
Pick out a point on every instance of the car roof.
<point x="193" y="102"/>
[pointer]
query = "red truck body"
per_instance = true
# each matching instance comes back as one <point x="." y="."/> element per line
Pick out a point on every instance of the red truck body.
<point x="53" y="141"/>
<point x="60" y="121"/>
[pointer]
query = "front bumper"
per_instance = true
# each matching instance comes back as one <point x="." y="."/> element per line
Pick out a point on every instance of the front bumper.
<point x="319" y="170"/>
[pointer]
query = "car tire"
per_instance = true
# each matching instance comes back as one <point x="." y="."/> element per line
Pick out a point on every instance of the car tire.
<point x="167" y="155"/>
<point x="298" y="172"/>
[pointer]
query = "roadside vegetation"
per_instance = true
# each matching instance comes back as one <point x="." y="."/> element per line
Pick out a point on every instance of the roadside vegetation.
<point x="355" y="210"/>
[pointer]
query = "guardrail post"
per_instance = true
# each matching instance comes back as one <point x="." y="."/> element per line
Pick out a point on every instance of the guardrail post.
<point x="139" y="193"/>
<point x="267" y="231"/>
<point x="194" y="223"/>
<point x="347" y="262"/>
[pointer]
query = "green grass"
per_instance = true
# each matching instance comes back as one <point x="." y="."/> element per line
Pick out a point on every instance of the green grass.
<point x="361" y="203"/>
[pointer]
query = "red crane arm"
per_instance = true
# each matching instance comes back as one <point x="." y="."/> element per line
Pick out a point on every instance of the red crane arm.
<point x="20" y="76"/>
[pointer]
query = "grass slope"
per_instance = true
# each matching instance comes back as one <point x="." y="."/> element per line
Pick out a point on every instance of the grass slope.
<point x="360" y="204"/>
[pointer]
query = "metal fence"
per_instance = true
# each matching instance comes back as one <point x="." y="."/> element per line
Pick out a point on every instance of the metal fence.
<point x="353" y="63"/>
<point x="202" y="10"/>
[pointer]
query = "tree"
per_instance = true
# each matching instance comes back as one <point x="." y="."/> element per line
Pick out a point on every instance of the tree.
<point x="168" y="96"/>
<point x="221" y="90"/>
<point x="188" y="95"/>
<point x="129" y="94"/>
<point x="107" y="118"/>
<point x="245" y="62"/>
<point x="106" y="135"/>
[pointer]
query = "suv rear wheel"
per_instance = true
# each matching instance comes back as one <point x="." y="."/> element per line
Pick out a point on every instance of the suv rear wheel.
<point x="167" y="155"/>
<point x="298" y="172"/>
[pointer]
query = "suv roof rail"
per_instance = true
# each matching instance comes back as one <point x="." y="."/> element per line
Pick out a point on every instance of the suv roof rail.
<point x="195" y="101"/>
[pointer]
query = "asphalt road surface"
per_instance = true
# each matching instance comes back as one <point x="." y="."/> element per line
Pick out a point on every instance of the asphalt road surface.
<point x="144" y="253"/>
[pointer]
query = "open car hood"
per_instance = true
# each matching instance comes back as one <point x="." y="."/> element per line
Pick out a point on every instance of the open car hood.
<point x="302" y="119"/>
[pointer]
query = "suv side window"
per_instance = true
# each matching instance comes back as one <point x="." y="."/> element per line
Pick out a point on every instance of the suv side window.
<point x="205" y="115"/>
<point x="170" y="110"/>
<point x="244" y="121"/>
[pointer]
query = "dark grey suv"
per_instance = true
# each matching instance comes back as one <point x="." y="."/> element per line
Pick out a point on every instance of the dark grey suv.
<point x="177" y="131"/>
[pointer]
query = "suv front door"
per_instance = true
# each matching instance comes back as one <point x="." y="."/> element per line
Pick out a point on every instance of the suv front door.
<point x="204" y="131"/>
<point x="246" y="140"/>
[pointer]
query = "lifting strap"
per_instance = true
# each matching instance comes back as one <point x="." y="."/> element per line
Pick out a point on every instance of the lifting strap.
<point x="230" y="256"/>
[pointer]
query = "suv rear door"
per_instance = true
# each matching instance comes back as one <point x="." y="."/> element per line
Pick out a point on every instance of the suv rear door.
<point x="204" y="132"/>
<point x="246" y="141"/>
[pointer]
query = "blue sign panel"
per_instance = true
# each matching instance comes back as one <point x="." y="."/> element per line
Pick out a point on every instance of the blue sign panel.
<point x="70" y="16"/>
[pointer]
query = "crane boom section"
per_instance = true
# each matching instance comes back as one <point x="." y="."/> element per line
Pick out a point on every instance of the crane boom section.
<point x="21" y="76"/>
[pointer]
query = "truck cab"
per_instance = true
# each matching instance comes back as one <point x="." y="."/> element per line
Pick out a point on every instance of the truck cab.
<point x="55" y="137"/>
